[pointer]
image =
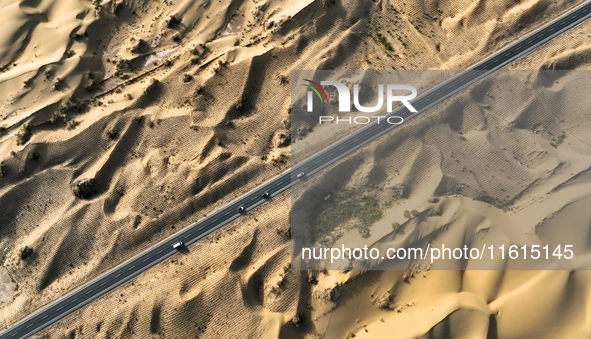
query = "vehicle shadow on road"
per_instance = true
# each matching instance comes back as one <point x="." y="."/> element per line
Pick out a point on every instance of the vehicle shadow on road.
<point x="183" y="250"/>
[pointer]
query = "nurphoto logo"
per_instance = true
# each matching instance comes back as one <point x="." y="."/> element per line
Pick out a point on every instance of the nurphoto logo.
<point x="344" y="96"/>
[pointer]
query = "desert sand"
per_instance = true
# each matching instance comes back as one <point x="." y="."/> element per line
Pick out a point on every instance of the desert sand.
<point x="124" y="121"/>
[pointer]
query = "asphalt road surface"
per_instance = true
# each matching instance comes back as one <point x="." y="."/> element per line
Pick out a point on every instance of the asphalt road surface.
<point x="109" y="280"/>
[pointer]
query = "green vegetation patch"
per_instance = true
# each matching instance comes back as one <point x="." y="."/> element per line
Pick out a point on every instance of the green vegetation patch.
<point x="382" y="39"/>
<point x="349" y="208"/>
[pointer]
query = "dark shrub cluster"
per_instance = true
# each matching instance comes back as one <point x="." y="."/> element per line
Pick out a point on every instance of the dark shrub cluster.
<point x="84" y="189"/>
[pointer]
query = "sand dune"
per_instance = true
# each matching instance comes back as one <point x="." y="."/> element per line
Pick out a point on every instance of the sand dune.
<point x="173" y="108"/>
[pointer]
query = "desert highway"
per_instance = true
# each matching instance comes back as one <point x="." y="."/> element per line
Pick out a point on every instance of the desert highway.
<point x="129" y="269"/>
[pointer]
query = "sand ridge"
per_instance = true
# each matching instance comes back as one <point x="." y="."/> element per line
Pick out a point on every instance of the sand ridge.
<point x="170" y="139"/>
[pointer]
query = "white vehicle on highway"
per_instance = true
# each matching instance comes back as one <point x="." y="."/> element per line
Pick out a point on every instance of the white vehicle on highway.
<point x="178" y="245"/>
<point x="301" y="174"/>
